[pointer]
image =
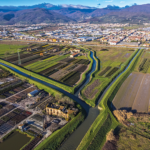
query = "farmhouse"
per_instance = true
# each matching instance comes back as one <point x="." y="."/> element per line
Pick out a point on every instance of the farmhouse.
<point x="50" y="40"/>
<point x="21" y="126"/>
<point x="113" y="42"/>
<point x="55" y="40"/>
<point x="104" y="39"/>
<point x="60" y="111"/>
<point x="76" y="50"/>
<point x="74" y="55"/>
<point x="146" y="45"/>
<point x="55" y="50"/>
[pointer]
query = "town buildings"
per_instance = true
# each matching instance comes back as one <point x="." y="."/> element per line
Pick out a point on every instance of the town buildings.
<point x="112" y="34"/>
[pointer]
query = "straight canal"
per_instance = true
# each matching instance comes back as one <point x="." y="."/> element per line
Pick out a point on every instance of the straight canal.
<point x="74" y="140"/>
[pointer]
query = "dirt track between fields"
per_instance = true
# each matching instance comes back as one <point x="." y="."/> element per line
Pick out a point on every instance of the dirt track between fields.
<point x="134" y="93"/>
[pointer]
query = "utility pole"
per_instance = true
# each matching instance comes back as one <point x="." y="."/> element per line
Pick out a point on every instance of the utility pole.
<point x="19" y="60"/>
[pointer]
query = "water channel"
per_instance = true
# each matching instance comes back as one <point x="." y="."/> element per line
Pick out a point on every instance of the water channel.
<point x="92" y="113"/>
<point x="74" y="140"/>
<point x="116" y="79"/>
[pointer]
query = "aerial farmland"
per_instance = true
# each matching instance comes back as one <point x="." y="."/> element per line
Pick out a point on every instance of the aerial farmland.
<point x="53" y="61"/>
<point x="110" y="61"/>
<point x="134" y="93"/>
<point x="24" y="115"/>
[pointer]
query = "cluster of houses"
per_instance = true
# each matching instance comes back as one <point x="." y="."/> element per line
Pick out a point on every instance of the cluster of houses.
<point x="27" y="28"/>
<point x="112" y="34"/>
<point x="126" y="37"/>
<point x="74" y="53"/>
<point x="56" y="109"/>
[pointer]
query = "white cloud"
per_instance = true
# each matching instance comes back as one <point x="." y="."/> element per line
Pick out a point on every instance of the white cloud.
<point x="122" y="2"/>
<point x="109" y="1"/>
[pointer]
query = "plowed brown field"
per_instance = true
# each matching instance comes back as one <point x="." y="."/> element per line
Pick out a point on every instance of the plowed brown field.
<point x="134" y="94"/>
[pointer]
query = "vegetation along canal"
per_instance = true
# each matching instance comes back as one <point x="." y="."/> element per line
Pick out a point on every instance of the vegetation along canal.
<point x="92" y="113"/>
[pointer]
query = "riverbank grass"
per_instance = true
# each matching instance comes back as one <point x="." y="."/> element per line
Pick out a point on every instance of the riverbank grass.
<point x="96" y="128"/>
<point x="51" y="81"/>
<point x="109" y="64"/>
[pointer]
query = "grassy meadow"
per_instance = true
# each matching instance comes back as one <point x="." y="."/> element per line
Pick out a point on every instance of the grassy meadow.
<point x="7" y="50"/>
<point x="145" y="65"/>
<point x="110" y="62"/>
<point x="44" y="64"/>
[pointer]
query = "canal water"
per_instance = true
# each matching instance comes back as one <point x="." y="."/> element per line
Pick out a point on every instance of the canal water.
<point x="92" y="113"/>
<point x="87" y="79"/>
<point x="74" y="140"/>
<point x="115" y="79"/>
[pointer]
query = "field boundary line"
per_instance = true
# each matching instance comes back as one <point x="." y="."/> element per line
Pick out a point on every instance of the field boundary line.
<point x="18" y="92"/>
<point x="148" y="106"/>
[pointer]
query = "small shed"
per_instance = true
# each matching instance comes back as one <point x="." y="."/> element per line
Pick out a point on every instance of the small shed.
<point x="33" y="93"/>
<point x="21" y="126"/>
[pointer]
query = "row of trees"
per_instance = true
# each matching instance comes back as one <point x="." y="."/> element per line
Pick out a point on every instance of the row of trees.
<point x="64" y="99"/>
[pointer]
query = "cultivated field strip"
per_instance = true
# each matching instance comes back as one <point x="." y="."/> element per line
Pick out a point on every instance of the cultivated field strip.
<point x="126" y="95"/>
<point x="141" y="101"/>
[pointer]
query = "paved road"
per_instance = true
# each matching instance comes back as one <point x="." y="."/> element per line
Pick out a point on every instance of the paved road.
<point x="105" y="45"/>
<point x="78" y="44"/>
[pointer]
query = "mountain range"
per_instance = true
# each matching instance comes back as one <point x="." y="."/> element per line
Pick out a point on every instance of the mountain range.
<point x="137" y="14"/>
<point x="43" y="5"/>
<point x="48" y="13"/>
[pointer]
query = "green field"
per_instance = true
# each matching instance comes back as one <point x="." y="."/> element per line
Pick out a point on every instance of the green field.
<point x="95" y="129"/>
<point x="145" y="66"/>
<point x="7" y="50"/>
<point x="95" y="137"/>
<point x="110" y="61"/>
<point x="113" y="57"/>
<point x="130" y="140"/>
<point x="136" y="135"/>
<point x="44" y="64"/>
<point x="82" y="57"/>
<point x="48" y="61"/>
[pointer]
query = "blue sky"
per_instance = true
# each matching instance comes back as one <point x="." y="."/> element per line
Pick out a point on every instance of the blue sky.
<point x="92" y="3"/>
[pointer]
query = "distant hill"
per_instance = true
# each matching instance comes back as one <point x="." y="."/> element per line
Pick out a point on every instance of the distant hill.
<point x="48" y="13"/>
<point x="78" y="12"/>
<point x="33" y="16"/>
<point x="125" y="17"/>
<point x="82" y="14"/>
<point x="43" y="5"/>
<point x="134" y="14"/>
